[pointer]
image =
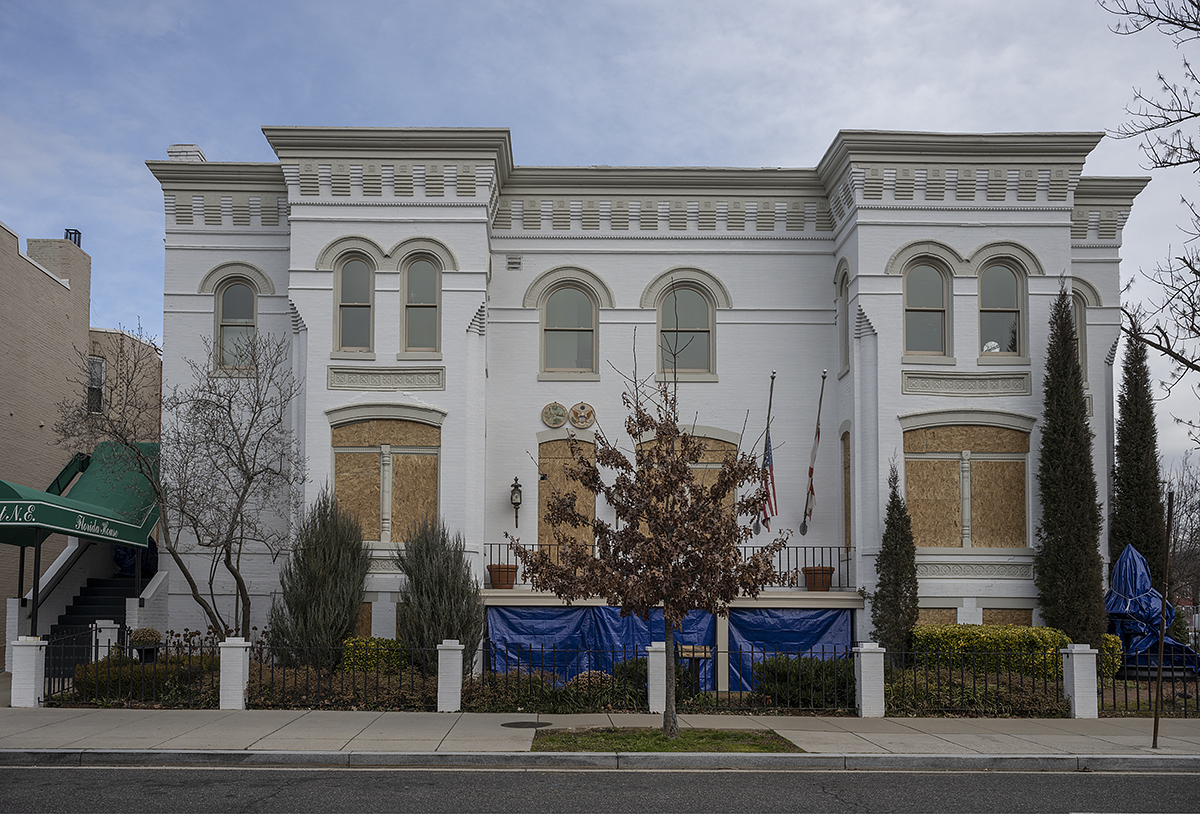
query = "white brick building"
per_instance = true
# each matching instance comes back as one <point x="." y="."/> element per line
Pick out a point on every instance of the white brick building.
<point x="439" y="300"/>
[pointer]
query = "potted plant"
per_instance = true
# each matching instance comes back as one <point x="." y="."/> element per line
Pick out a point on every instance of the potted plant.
<point x="818" y="577"/>
<point x="145" y="641"/>
<point x="502" y="575"/>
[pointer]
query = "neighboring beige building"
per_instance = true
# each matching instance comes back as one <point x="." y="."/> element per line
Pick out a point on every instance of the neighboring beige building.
<point x="45" y="319"/>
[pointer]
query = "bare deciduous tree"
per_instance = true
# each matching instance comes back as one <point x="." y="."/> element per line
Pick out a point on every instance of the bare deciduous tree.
<point x="1165" y="120"/>
<point x="229" y="475"/>
<point x="677" y="541"/>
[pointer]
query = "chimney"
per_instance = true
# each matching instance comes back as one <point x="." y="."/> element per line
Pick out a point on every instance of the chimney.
<point x="185" y="152"/>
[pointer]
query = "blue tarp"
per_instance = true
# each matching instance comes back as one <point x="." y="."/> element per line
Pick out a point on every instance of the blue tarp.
<point x="1134" y="614"/>
<point x="756" y="634"/>
<point x="572" y="640"/>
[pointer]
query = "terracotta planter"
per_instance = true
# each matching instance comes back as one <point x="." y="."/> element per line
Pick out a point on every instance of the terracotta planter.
<point x="818" y="577"/>
<point x="502" y="576"/>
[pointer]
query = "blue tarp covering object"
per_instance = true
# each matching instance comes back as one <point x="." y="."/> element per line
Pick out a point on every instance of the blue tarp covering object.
<point x="755" y="634"/>
<point x="571" y="640"/>
<point x="1134" y="610"/>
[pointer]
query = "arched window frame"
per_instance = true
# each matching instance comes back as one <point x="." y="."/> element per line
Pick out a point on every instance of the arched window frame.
<point x="340" y="349"/>
<point x="408" y="351"/>
<point x="669" y="373"/>
<point x="1079" y="306"/>
<point x="843" y="317"/>
<point x="1006" y="357"/>
<point x="946" y="354"/>
<point x="223" y="322"/>
<point x="581" y="374"/>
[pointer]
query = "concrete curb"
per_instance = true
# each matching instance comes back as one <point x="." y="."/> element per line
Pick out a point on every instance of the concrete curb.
<point x="648" y="761"/>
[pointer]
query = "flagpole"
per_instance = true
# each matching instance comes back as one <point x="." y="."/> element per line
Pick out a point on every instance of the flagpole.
<point x="767" y="445"/>
<point x="816" y="440"/>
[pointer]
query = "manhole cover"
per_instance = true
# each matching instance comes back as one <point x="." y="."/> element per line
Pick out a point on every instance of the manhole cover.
<point x="526" y="724"/>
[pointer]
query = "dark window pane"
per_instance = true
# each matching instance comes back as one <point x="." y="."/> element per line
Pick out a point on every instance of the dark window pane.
<point x="569" y="308"/>
<point x="923" y="332"/>
<point x="569" y="350"/>
<point x="356" y="327"/>
<point x="422" y="283"/>
<point x="685" y="308"/>
<point x="356" y="282"/>
<point x="421" y="328"/>
<point x="998" y="332"/>
<point x="685" y="350"/>
<point x="923" y="288"/>
<point x="998" y="288"/>
<point x="235" y="341"/>
<point x="237" y="304"/>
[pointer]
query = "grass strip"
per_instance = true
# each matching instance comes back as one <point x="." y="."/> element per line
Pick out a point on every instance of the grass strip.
<point x="608" y="739"/>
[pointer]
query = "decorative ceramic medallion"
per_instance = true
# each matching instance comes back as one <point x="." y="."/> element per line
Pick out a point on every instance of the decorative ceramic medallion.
<point x="554" y="415"/>
<point x="582" y="415"/>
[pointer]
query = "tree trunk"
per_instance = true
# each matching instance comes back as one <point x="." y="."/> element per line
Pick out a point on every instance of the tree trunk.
<point x="670" y="719"/>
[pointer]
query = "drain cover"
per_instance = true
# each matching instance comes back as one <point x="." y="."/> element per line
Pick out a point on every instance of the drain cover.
<point x="526" y="724"/>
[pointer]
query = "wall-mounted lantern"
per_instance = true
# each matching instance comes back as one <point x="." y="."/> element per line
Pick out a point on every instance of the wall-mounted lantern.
<point x="515" y="497"/>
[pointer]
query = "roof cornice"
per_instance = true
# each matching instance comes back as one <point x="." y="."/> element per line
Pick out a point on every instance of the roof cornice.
<point x="1115" y="191"/>
<point x="212" y="174"/>
<point x="307" y="142"/>
<point x="992" y="148"/>
<point x="635" y="180"/>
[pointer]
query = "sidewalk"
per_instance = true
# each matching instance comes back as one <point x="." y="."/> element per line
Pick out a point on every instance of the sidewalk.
<point x="321" y="738"/>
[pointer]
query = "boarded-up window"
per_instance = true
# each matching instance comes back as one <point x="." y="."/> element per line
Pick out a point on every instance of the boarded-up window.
<point x="553" y="458"/>
<point x="937" y="616"/>
<point x="1008" y="616"/>
<point x="934" y="502"/>
<point x="985" y="478"/>
<point x="386" y="472"/>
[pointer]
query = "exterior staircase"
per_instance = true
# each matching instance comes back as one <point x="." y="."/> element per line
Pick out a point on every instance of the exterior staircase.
<point x="70" y="640"/>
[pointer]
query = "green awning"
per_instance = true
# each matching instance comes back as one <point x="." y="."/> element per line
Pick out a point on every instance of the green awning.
<point x="111" y="502"/>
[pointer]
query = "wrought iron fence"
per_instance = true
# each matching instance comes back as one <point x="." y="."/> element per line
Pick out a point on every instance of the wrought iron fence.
<point x="183" y="671"/>
<point x="358" y="674"/>
<point x="814" y="568"/>
<point x="559" y="680"/>
<point x="1015" y="683"/>
<point x="1133" y="691"/>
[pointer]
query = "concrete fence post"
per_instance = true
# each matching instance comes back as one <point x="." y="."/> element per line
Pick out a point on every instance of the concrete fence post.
<point x="656" y="676"/>
<point x="29" y="672"/>
<point x="1079" y="680"/>
<point x="868" y="680"/>
<point x="450" y="674"/>
<point x="106" y="634"/>
<point x="235" y="672"/>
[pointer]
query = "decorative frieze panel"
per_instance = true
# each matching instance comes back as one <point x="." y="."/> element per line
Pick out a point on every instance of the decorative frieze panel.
<point x="920" y="382"/>
<point x="974" y="570"/>
<point x="239" y="209"/>
<point x="963" y="184"/>
<point x="386" y="378"/>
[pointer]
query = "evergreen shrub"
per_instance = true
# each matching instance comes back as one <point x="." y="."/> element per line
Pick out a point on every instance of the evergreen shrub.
<point x="374" y="655"/>
<point x="805" y="682"/>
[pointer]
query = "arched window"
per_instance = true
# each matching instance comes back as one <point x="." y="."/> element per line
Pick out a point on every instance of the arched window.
<point x="999" y="311"/>
<point x="925" y="311"/>
<point x="569" y="331"/>
<point x="685" y="331"/>
<point x="236" y="317"/>
<point x="355" y="290"/>
<point x="843" y="316"/>
<point x="1079" y="314"/>
<point x="422" y="294"/>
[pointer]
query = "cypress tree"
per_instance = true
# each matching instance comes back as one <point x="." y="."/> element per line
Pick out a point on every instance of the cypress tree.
<point x="894" y="603"/>
<point x="440" y="598"/>
<point x="1137" y="505"/>
<point x="321" y="584"/>
<point x="1068" y="568"/>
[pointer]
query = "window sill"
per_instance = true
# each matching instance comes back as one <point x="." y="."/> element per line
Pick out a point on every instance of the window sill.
<point x="927" y="360"/>
<point x="990" y="359"/>
<point x="568" y="376"/>
<point x="685" y="377"/>
<point x="419" y="355"/>
<point x="358" y="355"/>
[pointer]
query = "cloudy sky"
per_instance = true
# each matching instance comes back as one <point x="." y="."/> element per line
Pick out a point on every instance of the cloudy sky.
<point x="91" y="90"/>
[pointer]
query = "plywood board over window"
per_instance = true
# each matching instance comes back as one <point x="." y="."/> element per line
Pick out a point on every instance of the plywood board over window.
<point x="954" y="439"/>
<point x="387" y="431"/>
<point x="937" y="616"/>
<point x="998" y="504"/>
<point x="414" y="491"/>
<point x="553" y="458"/>
<point x="1008" y="616"/>
<point x="356" y="482"/>
<point x="934" y="502"/>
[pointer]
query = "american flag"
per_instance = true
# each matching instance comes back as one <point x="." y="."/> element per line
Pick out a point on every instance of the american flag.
<point x="810" y="499"/>
<point x="771" y="504"/>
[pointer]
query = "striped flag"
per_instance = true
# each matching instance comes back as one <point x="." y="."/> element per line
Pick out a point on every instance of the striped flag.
<point x="810" y="499"/>
<point x="771" y="504"/>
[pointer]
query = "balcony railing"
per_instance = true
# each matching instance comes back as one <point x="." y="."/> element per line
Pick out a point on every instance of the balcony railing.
<point x="800" y="567"/>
